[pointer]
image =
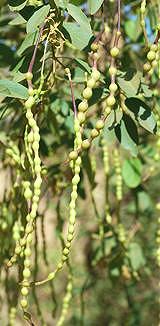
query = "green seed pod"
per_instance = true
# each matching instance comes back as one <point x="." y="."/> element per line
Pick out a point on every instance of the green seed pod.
<point x="83" y="106"/>
<point x="37" y="168"/>
<point x="74" y="195"/>
<point x="75" y="179"/>
<point x="94" y="47"/>
<point x="72" y="204"/>
<point x="65" y="251"/>
<point x="24" y="303"/>
<point x="107" y="110"/>
<point x="27" y="263"/>
<point x="35" y="199"/>
<point x="94" y="133"/>
<point x="73" y="155"/>
<point x="81" y="118"/>
<point x="86" y="144"/>
<point x="33" y="214"/>
<point x="29" y="76"/>
<point x="154" y="63"/>
<point x="24" y="291"/>
<point x="91" y="83"/>
<point x="27" y="252"/>
<point x="18" y="250"/>
<point x="71" y="229"/>
<point x="154" y="47"/>
<point x="37" y="191"/>
<point x="31" y="122"/>
<point x="70" y="237"/>
<point x="31" y="91"/>
<point x="29" y="103"/>
<point x="151" y="55"/>
<point x="114" y="52"/>
<point x="87" y="93"/>
<point x="112" y="71"/>
<point x="29" y="229"/>
<point x="16" y="236"/>
<point x="77" y="169"/>
<point x="95" y="74"/>
<point x="30" y="137"/>
<point x="100" y="124"/>
<point x="35" y="146"/>
<point x="26" y="273"/>
<point x="37" y="183"/>
<point x="36" y="137"/>
<point x="146" y="67"/>
<point x="111" y="100"/>
<point x="113" y="87"/>
<point x="78" y="161"/>
<point x="72" y="219"/>
<point x="28" y="194"/>
<point x="68" y="244"/>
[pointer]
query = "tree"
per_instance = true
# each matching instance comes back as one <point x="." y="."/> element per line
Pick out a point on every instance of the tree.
<point x="80" y="150"/>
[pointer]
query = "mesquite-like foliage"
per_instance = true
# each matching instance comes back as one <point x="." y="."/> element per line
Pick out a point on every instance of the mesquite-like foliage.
<point x="80" y="162"/>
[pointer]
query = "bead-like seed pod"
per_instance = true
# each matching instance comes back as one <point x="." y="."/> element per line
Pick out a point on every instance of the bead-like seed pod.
<point x="99" y="124"/>
<point x="83" y="106"/>
<point x="87" y="93"/>
<point x="75" y="179"/>
<point x="28" y="194"/>
<point x="73" y="155"/>
<point x="27" y="252"/>
<point x="24" y="291"/>
<point x="95" y="74"/>
<point x="113" y="87"/>
<point x="27" y="263"/>
<point x="86" y="144"/>
<point x="146" y="67"/>
<point x="81" y="117"/>
<point x="151" y="55"/>
<point x="112" y="71"/>
<point x="114" y="52"/>
<point x="29" y="75"/>
<point x="29" y="103"/>
<point x="94" y="133"/>
<point x="111" y="100"/>
<point x="24" y="303"/>
<point x="94" y="47"/>
<point x="91" y="83"/>
<point x="26" y="272"/>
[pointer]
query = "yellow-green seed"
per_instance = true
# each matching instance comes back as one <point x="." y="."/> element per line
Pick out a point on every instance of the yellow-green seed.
<point x="87" y="93"/>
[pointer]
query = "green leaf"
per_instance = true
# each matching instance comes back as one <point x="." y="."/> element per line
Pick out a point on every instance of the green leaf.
<point x="17" y="20"/>
<point x="147" y="92"/>
<point x="132" y="29"/>
<point x="79" y="17"/>
<point x="29" y="40"/>
<point x="142" y="113"/>
<point x="130" y="83"/>
<point x="144" y="201"/>
<point x="10" y="88"/>
<point x="78" y="35"/>
<point x="69" y="123"/>
<point x="94" y="6"/>
<point x="84" y="65"/>
<point x="136" y="256"/>
<point x="61" y="3"/>
<point x="131" y="171"/>
<point x="37" y="18"/>
<point x="114" y="118"/>
<point x="17" y="5"/>
<point x="127" y="135"/>
<point x="6" y="55"/>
